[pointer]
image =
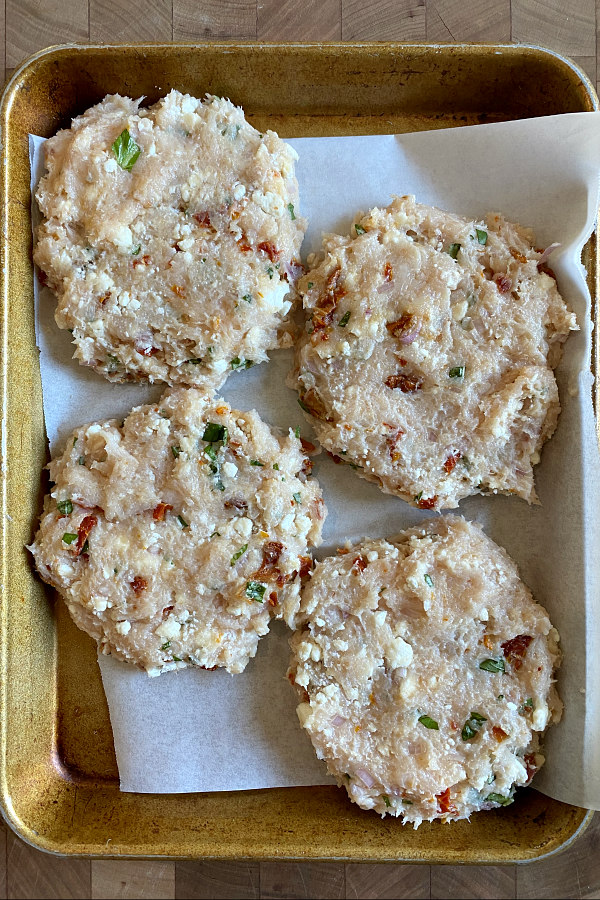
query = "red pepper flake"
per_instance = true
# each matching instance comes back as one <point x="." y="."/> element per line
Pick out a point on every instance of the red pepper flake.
<point x="499" y="733"/>
<point x="140" y="262"/>
<point x="516" y="254"/>
<point x="273" y="601"/>
<point x="530" y="765"/>
<point x="139" y="584"/>
<point x="178" y="290"/>
<point x="388" y="272"/>
<point x="444" y="804"/>
<point x="402" y="361"/>
<point x="306" y="564"/>
<point x="408" y="384"/>
<point x="451" y="461"/>
<point x="160" y="510"/>
<point x="83" y="532"/>
<point x="245" y="248"/>
<point x="503" y="283"/>
<point x="427" y="502"/>
<point x="270" y="249"/>
<point x="202" y="218"/>
<point x="515" y="649"/>
<point x="359" y="565"/>
<point x="453" y="726"/>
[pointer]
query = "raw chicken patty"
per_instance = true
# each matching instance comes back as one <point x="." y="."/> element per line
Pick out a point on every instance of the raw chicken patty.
<point x="425" y="670"/>
<point x="427" y="361"/>
<point x="169" y="238"/>
<point x="177" y="535"/>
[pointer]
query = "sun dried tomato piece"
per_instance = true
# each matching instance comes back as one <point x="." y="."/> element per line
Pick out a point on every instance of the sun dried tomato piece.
<point x="359" y="564"/>
<point x="515" y="649"/>
<point x="178" y="290"/>
<point x="305" y="566"/>
<point x="388" y="272"/>
<point x="444" y="804"/>
<point x="102" y="300"/>
<point x="530" y="765"/>
<point x="270" y="249"/>
<point x="245" y="248"/>
<point x="408" y="384"/>
<point x="313" y="404"/>
<point x="83" y="532"/>
<point x="427" y="502"/>
<point x="272" y="550"/>
<point x="499" y="733"/>
<point x="273" y="601"/>
<point x="141" y="262"/>
<point x="202" y="218"/>
<point x="516" y="254"/>
<point x="404" y="326"/>
<point x="236" y="503"/>
<point x="328" y="301"/>
<point x="307" y="467"/>
<point x="392" y="443"/>
<point x="487" y="642"/>
<point x="307" y="446"/>
<point x="503" y="283"/>
<point x="451" y="461"/>
<point x="139" y="584"/>
<point x="160" y="510"/>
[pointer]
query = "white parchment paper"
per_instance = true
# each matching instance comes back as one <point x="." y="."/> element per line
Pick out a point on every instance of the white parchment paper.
<point x="205" y="731"/>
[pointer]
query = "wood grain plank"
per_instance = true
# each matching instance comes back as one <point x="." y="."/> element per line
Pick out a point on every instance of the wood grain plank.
<point x="216" y="880"/>
<point x="214" y="19"/>
<point x="383" y="20"/>
<point x="34" y="24"/>
<point x="466" y="882"/>
<point x="476" y="20"/>
<point x="289" y="20"/>
<point x="380" y="882"/>
<point x="296" y="881"/>
<point x="574" y="874"/>
<point x="125" y="879"/>
<point x="32" y="874"/>
<point x="123" y="21"/>
<point x="567" y="27"/>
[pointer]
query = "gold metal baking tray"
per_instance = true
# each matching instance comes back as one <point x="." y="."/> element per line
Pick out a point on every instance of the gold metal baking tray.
<point x="59" y="780"/>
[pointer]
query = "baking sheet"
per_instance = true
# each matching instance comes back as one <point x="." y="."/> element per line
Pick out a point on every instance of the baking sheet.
<point x="470" y="171"/>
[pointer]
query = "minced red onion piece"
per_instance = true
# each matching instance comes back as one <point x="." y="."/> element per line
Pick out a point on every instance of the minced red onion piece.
<point x="386" y="287"/>
<point x="365" y="777"/>
<point x="338" y="720"/>
<point x="550" y="249"/>
<point x="294" y="271"/>
<point x="411" y="335"/>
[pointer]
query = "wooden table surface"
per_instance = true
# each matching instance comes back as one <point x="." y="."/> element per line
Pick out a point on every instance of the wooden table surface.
<point x="569" y="27"/>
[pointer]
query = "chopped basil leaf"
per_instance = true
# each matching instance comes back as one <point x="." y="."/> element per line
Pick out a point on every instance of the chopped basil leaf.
<point x="175" y="450"/>
<point x="303" y="406"/>
<point x="237" y="554"/>
<point x="247" y="298"/>
<point x="428" y="580"/>
<point x="418" y="496"/>
<point x="493" y="665"/>
<point x="255" y="591"/>
<point x="219" y="485"/>
<point x="276" y="466"/>
<point x="310" y="284"/>
<point x="481" y="235"/>
<point x="270" y="271"/>
<point x="176" y="658"/>
<point x="500" y="697"/>
<point x="344" y="320"/>
<point x="136" y="250"/>
<point x="525" y="706"/>
<point x="113" y="362"/>
<point x="386" y="799"/>
<point x="195" y="362"/>
<point x="457" y="372"/>
<point x="182" y="522"/>
<point x="85" y="547"/>
<point x="498" y="798"/>
<point x="297" y="498"/>
<point x="214" y="432"/>
<point x="216" y="534"/>
<point x="428" y="722"/>
<point x="126" y="150"/>
<point x="297" y="431"/>
<point x="255" y="462"/>
<point x="472" y="726"/>
<point x="166" y="645"/>
<point x="81" y="461"/>
<point x="211" y="453"/>
<point x="359" y="229"/>
<point x="291" y="211"/>
<point x="65" y="507"/>
<point x="407" y="802"/>
<point x="74" y="441"/>
<point x="68" y="537"/>
<point x="237" y="363"/>
<point x="453" y="250"/>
